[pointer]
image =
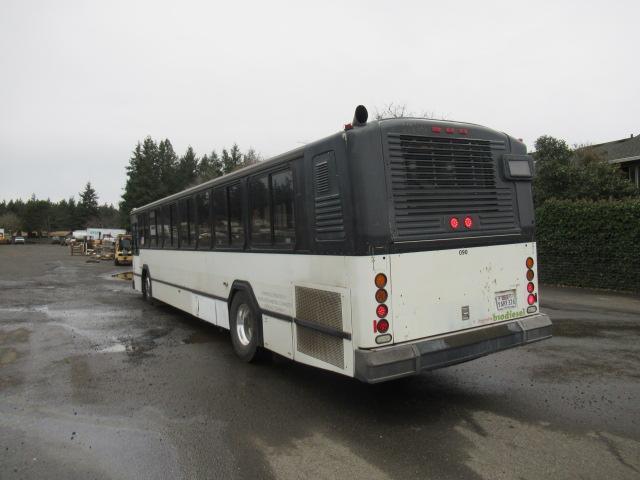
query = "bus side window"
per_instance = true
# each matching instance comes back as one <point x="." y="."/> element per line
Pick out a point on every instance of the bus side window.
<point x="260" y="210"/>
<point x="173" y="219"/>
<point x="134" y="236"/>
<point x="187" y="226"/>
<point x="236" y="225"/>
<point x="152" y="228"/>
<point x="162" y="227"/>
<point x="282" y="196"/>
<point x="144" y="230"/>
<point x="204" y="222"/>
<point x="191" y="214"/>
<point x="220" y="217"/>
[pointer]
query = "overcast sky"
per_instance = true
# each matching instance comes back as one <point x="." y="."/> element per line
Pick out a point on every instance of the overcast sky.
<point x="82" y="81"/>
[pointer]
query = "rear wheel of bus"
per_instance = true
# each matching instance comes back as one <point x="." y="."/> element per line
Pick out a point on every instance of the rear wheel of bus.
<point x="245" y="322"/>
<point x="146" y="287"/>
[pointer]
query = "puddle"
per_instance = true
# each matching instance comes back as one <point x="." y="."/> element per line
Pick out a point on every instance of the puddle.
<point x="122" y="276"/>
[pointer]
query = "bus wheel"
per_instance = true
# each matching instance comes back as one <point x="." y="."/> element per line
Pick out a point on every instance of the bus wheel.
<point x="244" y="321"/>
<point x="146" y="287"/>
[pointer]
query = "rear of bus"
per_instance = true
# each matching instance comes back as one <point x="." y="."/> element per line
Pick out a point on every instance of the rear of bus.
<point x="455" y="219"/>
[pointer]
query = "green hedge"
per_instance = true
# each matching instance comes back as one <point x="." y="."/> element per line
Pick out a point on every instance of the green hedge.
<point x="589" y="244"/>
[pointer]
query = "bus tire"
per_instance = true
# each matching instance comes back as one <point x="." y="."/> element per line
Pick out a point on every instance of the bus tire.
<point x="245" y="321"/>
<point x="147" y="289"/>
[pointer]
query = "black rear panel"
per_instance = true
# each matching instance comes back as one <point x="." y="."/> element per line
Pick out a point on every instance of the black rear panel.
<point x="433" y="178"/>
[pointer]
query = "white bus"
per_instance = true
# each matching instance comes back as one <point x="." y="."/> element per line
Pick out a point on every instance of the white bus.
<point x="389" y="248"/>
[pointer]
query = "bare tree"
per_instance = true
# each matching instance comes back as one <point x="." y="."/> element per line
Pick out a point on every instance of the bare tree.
<point x="400" y="110"/>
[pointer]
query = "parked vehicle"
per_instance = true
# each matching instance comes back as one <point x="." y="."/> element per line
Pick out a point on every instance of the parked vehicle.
<point x="55" y="240"/>
<point x="123" y="254"/>
<point x="19" y="240"/>
<point x="388" y="248"/>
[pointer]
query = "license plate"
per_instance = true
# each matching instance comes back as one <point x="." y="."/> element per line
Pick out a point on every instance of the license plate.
<point x="506" y="300"/>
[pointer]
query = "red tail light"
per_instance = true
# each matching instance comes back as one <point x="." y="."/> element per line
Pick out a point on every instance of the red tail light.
<point x="531" y="299"/>
<point x="382" y="310"/>
<point x="454" y="222"/>
<point x="530" y="287"/>
<point x="382" y="326"/>
<point x="468" y="222"/>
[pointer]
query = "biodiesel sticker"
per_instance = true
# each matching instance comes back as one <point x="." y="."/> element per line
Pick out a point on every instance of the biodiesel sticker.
<point x="497" y="317"/>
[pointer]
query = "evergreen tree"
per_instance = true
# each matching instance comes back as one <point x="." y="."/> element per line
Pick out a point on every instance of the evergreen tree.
<point x="210" y="167"/>
<point x="167" y="166"/>
<point x="187" y="171"/>
<point x="143" y="179"/>
<point x="251" y="158"/>
<point x="88" y="206"/>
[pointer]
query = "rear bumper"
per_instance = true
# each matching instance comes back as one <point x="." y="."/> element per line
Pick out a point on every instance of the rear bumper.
<point x="388" y="363"/>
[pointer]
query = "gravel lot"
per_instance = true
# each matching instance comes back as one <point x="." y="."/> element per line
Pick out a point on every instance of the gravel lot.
<point x="94" y="383"/>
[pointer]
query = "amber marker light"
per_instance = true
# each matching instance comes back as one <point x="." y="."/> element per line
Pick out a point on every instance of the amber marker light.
<point x="381" y="295"/>
<point x="380" y="280"/>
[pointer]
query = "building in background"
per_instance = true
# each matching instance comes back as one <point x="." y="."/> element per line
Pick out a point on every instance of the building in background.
<point x="625" y="153"/>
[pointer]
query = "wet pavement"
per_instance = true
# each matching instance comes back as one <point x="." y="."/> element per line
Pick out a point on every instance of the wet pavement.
<point x="94" y="383"/>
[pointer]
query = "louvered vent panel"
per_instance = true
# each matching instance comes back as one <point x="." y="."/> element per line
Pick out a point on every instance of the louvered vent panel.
<point x="433" y="178"/>
<point x="322" y="178"/>
<point x="323" y="308"/>
<point x="328" y="203"/>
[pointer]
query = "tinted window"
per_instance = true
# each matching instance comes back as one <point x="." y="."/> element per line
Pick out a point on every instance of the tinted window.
<point x="204" y="222"/>
<point x="187" y="223"/>
<point x="235" y="216"/>
<point x="191" y="211"/>
<point x="282" y="201"/>
<point x="260" y="210"/>
<point x="165" y="229"/>
<point x="173" y="218"/>
<point x="144" y="228"/>
<point x="152" y="229"/>
<point x="220" y="217"/>
<point x="134" y="231"/>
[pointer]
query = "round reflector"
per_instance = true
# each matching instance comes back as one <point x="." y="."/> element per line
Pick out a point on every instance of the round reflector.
<point x="381" y="280"/>
<point x="530" y="287"/>
<point x="382" y="310"/>
<point x="529" y="262"/>
<point x="531" y="299"/>
<point x="454" y="223"/>
<point x="468" y="222"/>
<point x="383" y="325"/>
<point x="530" y="275"/>
<point x="381" y="295"/>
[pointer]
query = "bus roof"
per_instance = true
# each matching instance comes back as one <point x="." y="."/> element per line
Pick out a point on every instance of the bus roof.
<point x="297" y="152"/>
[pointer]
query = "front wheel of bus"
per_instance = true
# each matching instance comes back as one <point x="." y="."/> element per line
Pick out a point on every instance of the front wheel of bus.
<point x="245" y="323"/>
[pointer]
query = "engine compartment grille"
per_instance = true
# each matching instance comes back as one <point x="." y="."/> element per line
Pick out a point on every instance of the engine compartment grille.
<point x="433" y="178"/>
<point x="323" y="308"/>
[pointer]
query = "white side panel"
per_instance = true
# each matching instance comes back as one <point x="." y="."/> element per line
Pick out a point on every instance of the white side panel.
<point x="207" y="309"/>
<point x="222" y="314"/>
<point x="278" y="335"/>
